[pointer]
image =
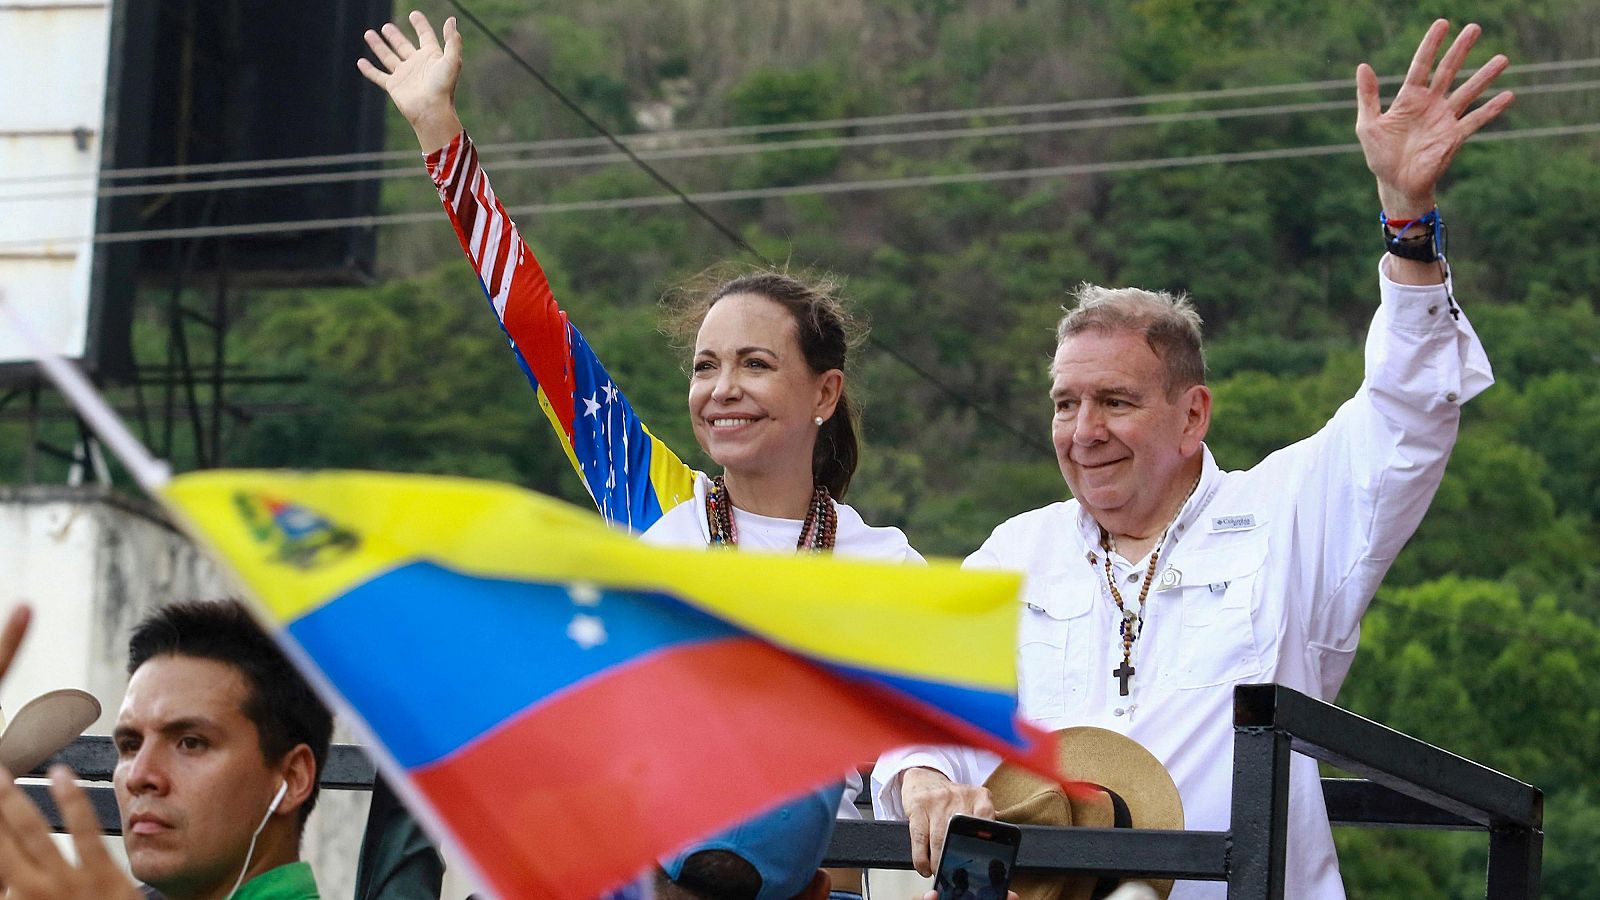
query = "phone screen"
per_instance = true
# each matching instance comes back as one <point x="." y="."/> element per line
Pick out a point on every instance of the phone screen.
<point x="977" y="860"/>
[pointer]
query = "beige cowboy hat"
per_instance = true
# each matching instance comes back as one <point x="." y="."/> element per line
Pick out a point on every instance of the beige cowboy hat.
<point x="1126" y="773"/>
<point x="43" y="726"/>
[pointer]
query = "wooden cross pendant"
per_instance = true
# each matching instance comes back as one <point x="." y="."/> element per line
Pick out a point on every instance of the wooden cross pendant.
<point x="1123" y="673"/>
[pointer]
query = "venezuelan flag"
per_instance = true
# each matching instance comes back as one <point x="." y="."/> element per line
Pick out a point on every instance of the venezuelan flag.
<point x="571" y="703"/>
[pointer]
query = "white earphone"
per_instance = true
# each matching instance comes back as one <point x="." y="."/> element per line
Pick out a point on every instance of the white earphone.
<point x="283" y="788"/>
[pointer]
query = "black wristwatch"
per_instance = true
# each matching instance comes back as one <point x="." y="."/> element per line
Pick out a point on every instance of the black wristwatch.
<point x="1420" y="239"/>
<point x="1420" y="247"/>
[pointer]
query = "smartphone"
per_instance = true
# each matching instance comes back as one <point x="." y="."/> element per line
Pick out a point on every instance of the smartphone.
<point x="977" y="859"/>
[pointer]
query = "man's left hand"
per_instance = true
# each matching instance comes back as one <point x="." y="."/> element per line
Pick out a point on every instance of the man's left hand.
<point x="31" y="867"/>
<point x="1410" y="146"/>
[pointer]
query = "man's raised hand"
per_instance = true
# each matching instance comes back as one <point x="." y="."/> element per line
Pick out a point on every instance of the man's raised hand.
<point x="1410" y="146"/>
<point x="31" y="866"/>
<point x="420" y="78"/>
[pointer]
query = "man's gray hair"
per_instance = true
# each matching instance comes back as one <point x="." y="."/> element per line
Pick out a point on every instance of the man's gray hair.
<point x="1169" y="323"/>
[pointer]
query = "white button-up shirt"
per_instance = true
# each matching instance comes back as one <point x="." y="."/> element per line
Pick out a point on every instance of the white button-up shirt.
<point x="1263" y="577"/>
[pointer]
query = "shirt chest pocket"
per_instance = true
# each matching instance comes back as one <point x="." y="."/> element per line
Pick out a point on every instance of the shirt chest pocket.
<point x="1217" y="642"/>
<point x="1051" y="681"/>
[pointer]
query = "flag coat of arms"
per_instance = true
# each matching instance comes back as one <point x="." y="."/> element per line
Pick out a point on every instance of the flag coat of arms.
<point x="569" y="704"/>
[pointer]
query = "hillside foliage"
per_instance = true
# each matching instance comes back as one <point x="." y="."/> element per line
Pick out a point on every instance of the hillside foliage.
<point x="1486" y="635"/>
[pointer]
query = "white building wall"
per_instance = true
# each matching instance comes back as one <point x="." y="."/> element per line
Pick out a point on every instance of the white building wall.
<point x="54" y="69"/>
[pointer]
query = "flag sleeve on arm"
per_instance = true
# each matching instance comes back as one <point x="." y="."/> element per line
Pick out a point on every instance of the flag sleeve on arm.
<point x="567" y="703"/>
<point x="632" y="476"/>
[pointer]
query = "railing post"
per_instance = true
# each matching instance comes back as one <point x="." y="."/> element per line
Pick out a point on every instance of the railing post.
<point x="1514" y="863"/>
<point x="1260" y="820"/>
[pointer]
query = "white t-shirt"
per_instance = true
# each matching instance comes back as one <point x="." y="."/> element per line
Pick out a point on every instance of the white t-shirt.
<point x="685" y="526"/>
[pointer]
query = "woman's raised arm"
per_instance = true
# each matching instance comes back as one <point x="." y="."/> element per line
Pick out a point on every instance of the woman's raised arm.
<point x="631" y="475"/>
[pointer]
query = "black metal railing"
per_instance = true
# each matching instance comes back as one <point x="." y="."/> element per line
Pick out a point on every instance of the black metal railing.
<point x="1405" y="783"/>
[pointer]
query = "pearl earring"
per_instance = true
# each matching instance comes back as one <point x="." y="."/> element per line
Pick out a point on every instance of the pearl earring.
<point x="818" y="420"/>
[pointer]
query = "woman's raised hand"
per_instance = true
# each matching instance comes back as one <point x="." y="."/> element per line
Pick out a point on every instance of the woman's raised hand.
<point x="420" y="78"/>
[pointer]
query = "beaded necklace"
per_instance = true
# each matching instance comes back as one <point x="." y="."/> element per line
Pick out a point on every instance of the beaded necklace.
<point x="816" y="534"/>
<point x="1132" y="623"/>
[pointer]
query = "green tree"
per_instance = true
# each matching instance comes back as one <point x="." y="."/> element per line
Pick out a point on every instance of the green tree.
<point x="1465" y="664"/>
<point x="776" y="96"/>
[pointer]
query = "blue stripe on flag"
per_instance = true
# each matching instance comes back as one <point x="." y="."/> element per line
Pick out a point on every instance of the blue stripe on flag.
<point x="992" y="711"/>
<point x="612" y="442"/>
<point x="466" y="653"/>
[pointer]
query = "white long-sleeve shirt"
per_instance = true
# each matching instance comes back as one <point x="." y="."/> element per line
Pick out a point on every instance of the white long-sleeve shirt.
<point x="1263" y="578"/>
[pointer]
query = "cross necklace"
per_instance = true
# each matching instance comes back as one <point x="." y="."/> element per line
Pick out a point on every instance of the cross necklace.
<point x="1132" y="623"/>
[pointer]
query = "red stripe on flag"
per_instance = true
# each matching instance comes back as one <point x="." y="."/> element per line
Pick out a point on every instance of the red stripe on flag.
<point x="539" y="328"/>
<point x="532" y="318"/>
<point x="466" y="164"/>
<point x="504" y="253"/>
<point x="577" y="795"/>
<point x="453" y="157"/>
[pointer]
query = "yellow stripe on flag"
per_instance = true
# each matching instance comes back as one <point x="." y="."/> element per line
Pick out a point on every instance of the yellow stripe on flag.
<point x="672" y="479"/>
<point x="341" y="529"/>
<point x="560" y="429"/>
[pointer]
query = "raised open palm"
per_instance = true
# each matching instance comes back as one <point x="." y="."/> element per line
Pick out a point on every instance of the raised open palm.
<point x="1410" y="146"/>
<point x="420" y="78"/>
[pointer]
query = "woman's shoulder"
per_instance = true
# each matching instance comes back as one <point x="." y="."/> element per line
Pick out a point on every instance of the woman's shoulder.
<point x="682" y="525"/>
<point x="856" y="538"/>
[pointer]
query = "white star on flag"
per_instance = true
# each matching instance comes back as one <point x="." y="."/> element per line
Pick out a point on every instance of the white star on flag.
<point x="587" y="631"/>
<point x="584" y="594"/>
<point x="611" y="392"/>
<point x="590" y="406"/>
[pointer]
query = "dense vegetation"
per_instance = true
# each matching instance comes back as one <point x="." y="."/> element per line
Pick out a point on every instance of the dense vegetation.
<point x="1486" y="637"/>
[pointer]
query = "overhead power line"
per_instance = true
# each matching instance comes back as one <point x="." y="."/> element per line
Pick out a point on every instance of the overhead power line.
<point x="1116" y="102"/>
<point x="694" y="201"/>
<point x="647" y="139"/>
<point x="870" y="140"/>
<point x="837" y="187"/>
<point x="958" y="397"/>
<point x="610" y="138"/>
<point x="695" y="205"/>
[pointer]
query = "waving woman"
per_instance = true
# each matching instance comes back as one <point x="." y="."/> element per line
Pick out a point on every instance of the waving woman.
<point x="767" y="397"/>
<point x="767" y="393"/>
